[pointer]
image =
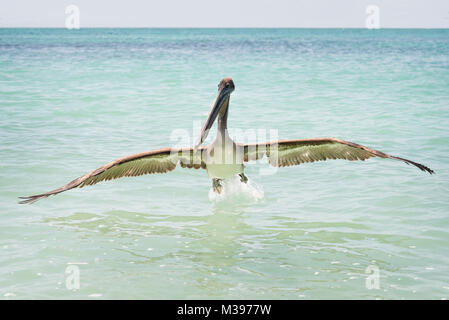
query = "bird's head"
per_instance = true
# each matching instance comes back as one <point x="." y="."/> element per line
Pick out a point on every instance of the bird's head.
<point x="226" y="83"/>
<point x="219" y="106"/>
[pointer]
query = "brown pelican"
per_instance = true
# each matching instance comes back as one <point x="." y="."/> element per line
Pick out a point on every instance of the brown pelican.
<point x="224" y="158"/>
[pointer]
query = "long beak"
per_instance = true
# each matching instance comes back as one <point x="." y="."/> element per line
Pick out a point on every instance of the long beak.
<point x="214" y="111"/>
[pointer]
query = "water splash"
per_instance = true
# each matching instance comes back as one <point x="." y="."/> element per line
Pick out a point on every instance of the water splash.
<point x="234" y="189"/>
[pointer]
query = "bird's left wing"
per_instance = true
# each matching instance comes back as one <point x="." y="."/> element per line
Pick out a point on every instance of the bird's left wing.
<point x="155" y="161"/>
<point x="284" y="153"/>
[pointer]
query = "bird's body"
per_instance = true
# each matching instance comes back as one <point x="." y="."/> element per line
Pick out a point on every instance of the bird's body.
<point x="224" y="158"/>
<point x="218" y="166"/>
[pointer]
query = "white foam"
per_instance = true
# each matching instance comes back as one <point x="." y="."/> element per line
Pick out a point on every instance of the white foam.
<point x="234" y="189"/>
<point x="9" y="294"/>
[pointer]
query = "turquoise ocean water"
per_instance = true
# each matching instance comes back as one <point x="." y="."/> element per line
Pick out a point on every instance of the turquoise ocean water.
<point x="72" y="100"/>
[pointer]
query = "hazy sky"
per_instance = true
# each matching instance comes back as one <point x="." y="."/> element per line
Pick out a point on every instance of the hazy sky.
<point x="226" y="13"/>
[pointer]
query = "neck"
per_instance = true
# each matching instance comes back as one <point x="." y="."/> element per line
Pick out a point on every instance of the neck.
<point x="223" y="118"/>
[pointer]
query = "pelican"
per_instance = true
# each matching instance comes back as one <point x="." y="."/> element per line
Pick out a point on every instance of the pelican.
<point x="224" y="158"/>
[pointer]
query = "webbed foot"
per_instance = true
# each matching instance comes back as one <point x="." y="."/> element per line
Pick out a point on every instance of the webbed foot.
<point x="243" y="178"/>
<point x="216" y="185"/>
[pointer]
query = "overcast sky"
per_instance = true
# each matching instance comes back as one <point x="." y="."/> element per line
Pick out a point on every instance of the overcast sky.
<point x="226" y="13"/>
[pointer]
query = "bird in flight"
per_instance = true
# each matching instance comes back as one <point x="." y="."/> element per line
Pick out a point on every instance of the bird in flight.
<point x="224" y="158"/>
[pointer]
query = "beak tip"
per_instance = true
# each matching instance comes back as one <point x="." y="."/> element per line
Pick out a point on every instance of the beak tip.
<point x="197" y="144"/>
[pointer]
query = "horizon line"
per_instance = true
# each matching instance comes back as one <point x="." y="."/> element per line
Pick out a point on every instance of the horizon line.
<point x="25" y="27"/>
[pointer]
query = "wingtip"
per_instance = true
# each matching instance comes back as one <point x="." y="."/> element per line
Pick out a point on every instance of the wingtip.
<point x="29" y="199"/>
<point x="418" y="165"/>
<point x="426" y="169"/>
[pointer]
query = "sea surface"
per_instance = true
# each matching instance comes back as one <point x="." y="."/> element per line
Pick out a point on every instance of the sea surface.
<point x="73" y="100"/>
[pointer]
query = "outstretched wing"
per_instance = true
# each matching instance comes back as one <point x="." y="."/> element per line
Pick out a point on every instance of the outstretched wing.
<point x="284" y="153"/>
<point x="156" y="161"/>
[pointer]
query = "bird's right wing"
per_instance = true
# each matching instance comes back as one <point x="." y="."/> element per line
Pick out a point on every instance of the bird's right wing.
<point x="155" y="161"/>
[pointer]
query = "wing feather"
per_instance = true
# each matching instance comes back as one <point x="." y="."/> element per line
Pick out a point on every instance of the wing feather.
<point x="285" y="153"/>
<point x="155" y="161"/>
